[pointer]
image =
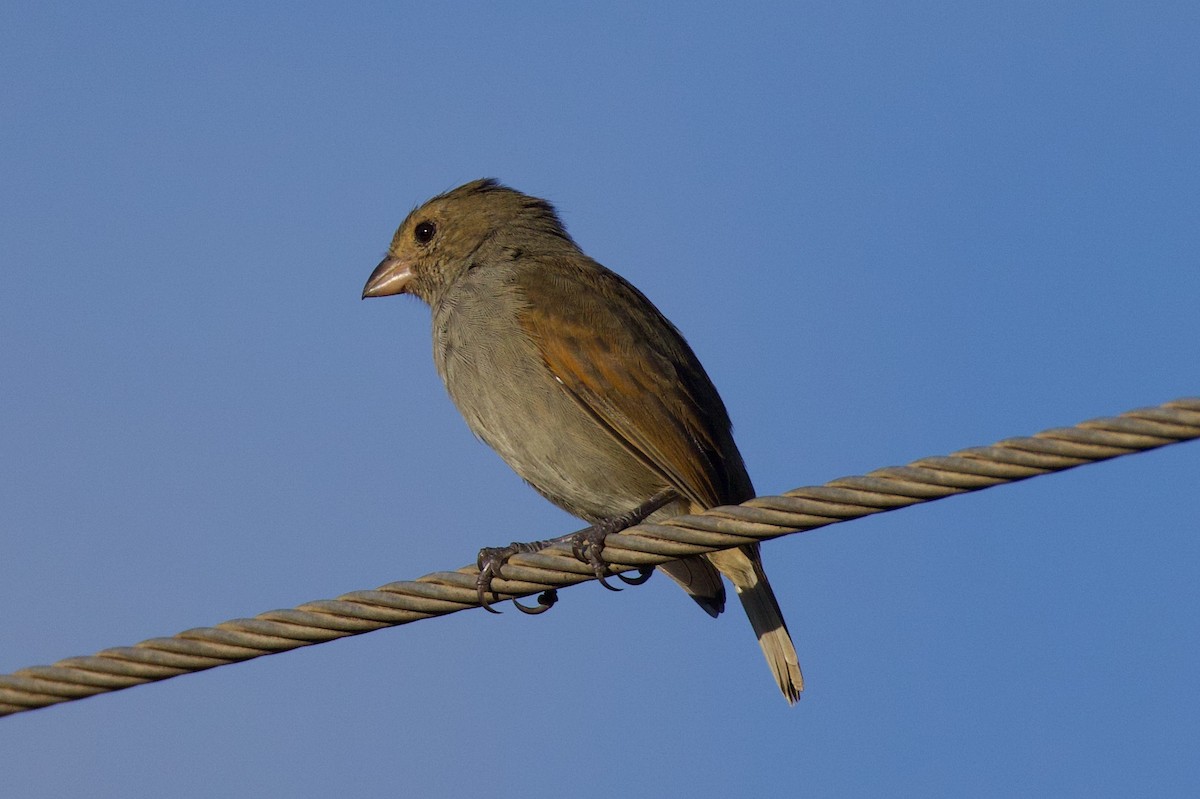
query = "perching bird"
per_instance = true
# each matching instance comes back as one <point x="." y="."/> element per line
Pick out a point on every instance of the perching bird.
<point x="579" y="383"/>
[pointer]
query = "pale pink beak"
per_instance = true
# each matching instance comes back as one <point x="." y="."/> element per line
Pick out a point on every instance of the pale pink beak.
<point x="390" y="277"/>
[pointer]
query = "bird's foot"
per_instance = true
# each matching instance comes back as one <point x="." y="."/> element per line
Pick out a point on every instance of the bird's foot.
<point x="491" y="559"/>
<point x="586" y="544"/>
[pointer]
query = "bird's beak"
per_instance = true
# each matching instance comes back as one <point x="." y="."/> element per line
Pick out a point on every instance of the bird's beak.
<point x="390" y="277"/>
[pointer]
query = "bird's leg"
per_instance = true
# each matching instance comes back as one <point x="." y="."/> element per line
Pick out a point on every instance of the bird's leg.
<point x="587" y="545"/>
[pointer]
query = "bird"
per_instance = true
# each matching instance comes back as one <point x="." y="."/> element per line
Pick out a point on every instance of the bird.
<point x="579" y="383"/>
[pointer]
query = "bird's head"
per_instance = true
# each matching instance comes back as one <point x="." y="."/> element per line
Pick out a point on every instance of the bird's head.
<point x="462" y="229"/>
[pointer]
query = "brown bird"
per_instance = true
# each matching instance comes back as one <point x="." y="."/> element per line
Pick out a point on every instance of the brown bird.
<point x="584" y="388"/>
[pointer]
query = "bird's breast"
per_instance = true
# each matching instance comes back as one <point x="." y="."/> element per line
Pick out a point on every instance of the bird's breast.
<point x="500" y="383"/>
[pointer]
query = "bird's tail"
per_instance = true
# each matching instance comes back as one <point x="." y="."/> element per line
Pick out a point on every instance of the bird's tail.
<point x="743" y="567"/>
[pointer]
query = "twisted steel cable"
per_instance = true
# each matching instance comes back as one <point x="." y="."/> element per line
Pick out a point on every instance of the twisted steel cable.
<point x="758" y="519"/>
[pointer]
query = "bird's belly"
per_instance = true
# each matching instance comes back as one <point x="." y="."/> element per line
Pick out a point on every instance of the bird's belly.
<point x="511" y="401"/>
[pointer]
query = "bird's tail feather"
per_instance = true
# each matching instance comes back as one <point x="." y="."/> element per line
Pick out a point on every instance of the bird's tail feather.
<point x="744" y="569"/>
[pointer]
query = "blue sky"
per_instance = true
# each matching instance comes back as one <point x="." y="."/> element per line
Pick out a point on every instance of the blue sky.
<point x="888" y="230"/>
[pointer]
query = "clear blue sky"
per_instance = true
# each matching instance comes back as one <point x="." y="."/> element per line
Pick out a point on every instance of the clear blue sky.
<point x="889" y="231"/>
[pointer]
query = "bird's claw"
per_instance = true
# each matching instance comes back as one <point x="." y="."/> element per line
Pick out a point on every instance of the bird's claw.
<point x="490" y="560"/>
<point x="587" y="546"/>
<point x="644" y="574"/>
<point x="545" y="601"/>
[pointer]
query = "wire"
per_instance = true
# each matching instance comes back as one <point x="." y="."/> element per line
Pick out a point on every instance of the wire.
<point x="758" y="519"/>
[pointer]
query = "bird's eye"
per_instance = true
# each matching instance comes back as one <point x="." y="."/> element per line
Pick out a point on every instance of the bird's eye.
<point x="424" y="231"/>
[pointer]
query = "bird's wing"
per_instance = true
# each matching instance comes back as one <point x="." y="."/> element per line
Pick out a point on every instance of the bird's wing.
<point x="627" y="366"/>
